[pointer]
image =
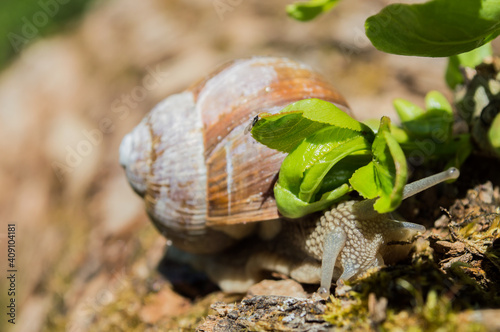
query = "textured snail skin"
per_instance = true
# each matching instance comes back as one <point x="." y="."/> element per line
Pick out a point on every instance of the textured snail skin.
<point x="204" y="181"/>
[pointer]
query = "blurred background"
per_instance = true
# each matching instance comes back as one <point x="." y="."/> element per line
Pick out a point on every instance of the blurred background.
<point x="72" y="84"/>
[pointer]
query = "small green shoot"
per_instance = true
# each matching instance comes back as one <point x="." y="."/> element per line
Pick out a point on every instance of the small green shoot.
<point x="327" y="149"/>
<point x="308" y="10"/>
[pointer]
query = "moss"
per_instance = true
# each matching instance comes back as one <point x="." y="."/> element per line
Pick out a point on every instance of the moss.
<point x="58" y="278"/>
<point x="417" y="312"/>
<point x="435" y="314"/>
<point x="198" y="312"/>
<point x="351" y="314"/>
<point x="122" y="314"/>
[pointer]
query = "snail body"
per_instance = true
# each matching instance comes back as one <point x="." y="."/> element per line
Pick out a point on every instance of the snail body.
<point x="207" y="184"/>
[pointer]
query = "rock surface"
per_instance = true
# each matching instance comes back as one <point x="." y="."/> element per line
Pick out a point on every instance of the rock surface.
<point x="267" y="313"/>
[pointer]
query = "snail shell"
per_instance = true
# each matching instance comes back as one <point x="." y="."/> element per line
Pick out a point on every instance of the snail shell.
<point x="204" y="181"/>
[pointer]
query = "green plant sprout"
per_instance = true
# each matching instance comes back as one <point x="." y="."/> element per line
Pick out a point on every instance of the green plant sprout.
<point x="331" y="154"/>
<point x="426" y="134"/>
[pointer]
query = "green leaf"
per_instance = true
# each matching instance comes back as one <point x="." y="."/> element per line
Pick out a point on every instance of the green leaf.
<point x="436" y="100"/>
<point x="364" y="181"/>
<point x="306" y="11"/>
<point x="291" y="206"/>
<point x="436" y="28"/>
<point x="384" y="177"/>
<point x="390" y="169"/>
<point x="494" y="134"/>
<point x="399" y="134"/>
<point x="373" y="124"/>
<point x="325" y="112"/>
<point x="435" y="122"/>
<point x="313" y="176"/>
<point x="460" y="148"/>
<point x="303" y="169"/>
<point x="343" y="171"/>
<point x="285" y="130"/>
<point x="325" y="147"/>
<point x="469" y="59"/>
<point x="406" y="110"/>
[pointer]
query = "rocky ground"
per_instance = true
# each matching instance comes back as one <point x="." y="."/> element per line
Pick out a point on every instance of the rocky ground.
<point x="87" y="257"/>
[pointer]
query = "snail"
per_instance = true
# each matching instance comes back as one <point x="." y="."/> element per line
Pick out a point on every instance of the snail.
<point x="204" y="181"/>
<point x="207" y="185"/>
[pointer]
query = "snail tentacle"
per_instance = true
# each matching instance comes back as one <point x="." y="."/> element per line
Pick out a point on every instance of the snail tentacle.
<point x="334" y="242"/>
